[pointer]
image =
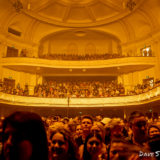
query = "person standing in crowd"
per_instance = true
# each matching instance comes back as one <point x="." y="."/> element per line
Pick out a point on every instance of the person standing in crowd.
<point x="153" y="131"/>
<point x="93" y="147"/>
<point x="98" y="128"/>
<point x="138" y="124"/>
<point x="1" y="125"/>
<point x="86" y="124"/>
<point x="78" y="131"/>
<point x="120" y="149"/>
<point x="62" y="145"/>
<point x="154" y="139"/>
<point x="24" y="137"/>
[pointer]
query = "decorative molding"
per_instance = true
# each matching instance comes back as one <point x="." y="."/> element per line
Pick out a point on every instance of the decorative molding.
<point x="125" y="61"/>
<point x="8" y="38"/>
<point x="93" y="21"/>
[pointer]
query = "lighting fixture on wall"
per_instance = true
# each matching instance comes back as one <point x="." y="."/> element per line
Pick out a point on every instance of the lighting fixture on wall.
<point x="70" y="69"/>
<point x="17" y="4"/>
<point x="130" y="4"/>
<point x="28" y="6"/>
<point x="84" y="70"/>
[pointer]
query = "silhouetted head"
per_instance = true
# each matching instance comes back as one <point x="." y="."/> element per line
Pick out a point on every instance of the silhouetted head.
<point x="24" y="137"/>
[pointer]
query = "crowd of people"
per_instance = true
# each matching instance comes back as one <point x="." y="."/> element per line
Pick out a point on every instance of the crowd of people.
<point x="144" y="52"/>
<point x="27" y="136"/>
<point x="78" y="89"/>
<point x="18" y="90"/>
<point x="85" y="57"/>
<point x="143" y="88"/>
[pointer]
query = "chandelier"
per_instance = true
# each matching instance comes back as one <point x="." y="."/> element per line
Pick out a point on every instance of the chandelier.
<point x="130" y="4"/>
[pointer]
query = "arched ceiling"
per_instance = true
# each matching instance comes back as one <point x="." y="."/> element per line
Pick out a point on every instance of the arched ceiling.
<point x="38" y="18"/>
<point x="82" y="34"/>
<point x="79" y="13"/>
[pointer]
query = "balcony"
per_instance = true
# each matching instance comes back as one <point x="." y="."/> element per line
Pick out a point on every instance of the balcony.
<point x="150" y="96"/>
<point x="100" y="67"/>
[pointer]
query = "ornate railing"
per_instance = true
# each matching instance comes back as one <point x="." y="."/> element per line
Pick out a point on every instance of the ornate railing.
<point x="151" y="95"/>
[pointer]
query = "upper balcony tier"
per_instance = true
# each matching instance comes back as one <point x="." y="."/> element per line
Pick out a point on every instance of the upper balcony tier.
<point x="105" y="67"/>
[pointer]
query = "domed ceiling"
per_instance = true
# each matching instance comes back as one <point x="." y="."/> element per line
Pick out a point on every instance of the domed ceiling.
<point x="128" y="20"/>
<point x="79" y="13"/>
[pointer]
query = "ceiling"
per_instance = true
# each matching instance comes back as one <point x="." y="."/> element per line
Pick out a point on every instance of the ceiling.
<point x="77" y="13"/>
<point x="36" y="19"/>
<point x="81" y="34"/>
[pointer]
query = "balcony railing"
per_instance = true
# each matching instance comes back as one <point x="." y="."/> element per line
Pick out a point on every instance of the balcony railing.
<point x="151" y="95"/>
<point x="115" y="62"/>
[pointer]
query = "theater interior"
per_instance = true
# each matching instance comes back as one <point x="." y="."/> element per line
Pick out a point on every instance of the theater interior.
<point x="75" y="57"/>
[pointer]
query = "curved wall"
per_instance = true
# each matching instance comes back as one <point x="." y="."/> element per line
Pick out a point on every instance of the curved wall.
<point x="79" y="43"/>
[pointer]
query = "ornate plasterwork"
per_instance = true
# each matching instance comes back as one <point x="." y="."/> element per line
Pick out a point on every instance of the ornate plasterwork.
<point x="79" y="13"/>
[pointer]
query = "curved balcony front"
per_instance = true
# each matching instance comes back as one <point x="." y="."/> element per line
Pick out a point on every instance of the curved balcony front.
<point x="78" y="64"/>
<point x="111" y="66"/>
<point x="152" y="95"/>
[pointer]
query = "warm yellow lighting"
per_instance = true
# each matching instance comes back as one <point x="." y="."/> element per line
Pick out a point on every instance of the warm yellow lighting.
<point x="147" y="49"/>
<point x="80" y="33"/>
<point x="38" y="68"/>
<point x="17" y="4"/>
<point x="29" y="6"/>
<point x="84" y="70"/>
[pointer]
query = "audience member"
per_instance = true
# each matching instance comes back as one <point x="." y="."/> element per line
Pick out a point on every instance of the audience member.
<point x="24" y="137"/>
<point x="62" y="145"/>
<point x="138" y="124"/>
<point x="79" y="138"/>
<point x="86" y="124"/>
<point x="78" y="89"/>
<point x="93" y="147"/>
<point x="123" y="150"/>
<point x="153" y="131"/>
<point x="78" y="131"/>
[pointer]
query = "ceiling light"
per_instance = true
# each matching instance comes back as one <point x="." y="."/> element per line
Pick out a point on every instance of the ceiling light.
<point x="80" y="33"/>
